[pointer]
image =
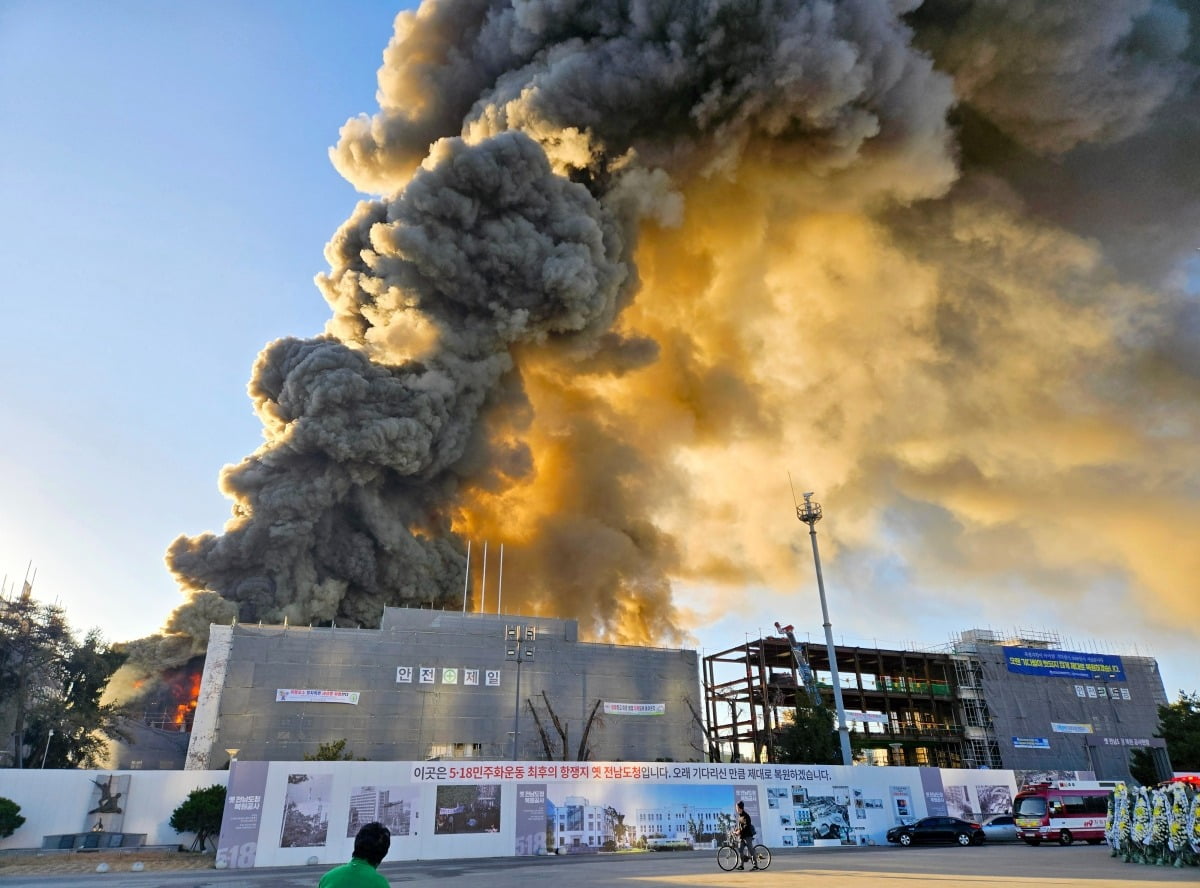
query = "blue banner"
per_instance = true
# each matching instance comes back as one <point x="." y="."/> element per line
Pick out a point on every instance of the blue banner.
<point x="1068" y="664"/>
<point x="1031" y="743"/>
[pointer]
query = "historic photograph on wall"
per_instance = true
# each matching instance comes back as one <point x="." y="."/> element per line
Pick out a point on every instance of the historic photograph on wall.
<point x="306" y="811"/>
<point x="390" y="805"/>
<point x="471" y="808"/>
<point x="958" y="802"/>
<point x="994" y="799"/>
<point x="830" y="817"/>
<point x="1030" y="778"/>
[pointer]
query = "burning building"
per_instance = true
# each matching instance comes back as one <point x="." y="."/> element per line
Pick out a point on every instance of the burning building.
<point x="437" y="684"/>
<point x="159" y="710"/>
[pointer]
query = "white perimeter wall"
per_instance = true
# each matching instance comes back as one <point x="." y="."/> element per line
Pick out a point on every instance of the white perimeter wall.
<point x="57" y="801"/>
<point x="781" y="798"/>
<point x="871" y="799"/>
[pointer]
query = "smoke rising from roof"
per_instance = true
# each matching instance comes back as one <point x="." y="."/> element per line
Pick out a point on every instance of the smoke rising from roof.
<point x="633" y="261"/>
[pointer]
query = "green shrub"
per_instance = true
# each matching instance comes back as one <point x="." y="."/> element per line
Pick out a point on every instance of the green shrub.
<point x="10" y="817"/>
<point x="201" y="814"/>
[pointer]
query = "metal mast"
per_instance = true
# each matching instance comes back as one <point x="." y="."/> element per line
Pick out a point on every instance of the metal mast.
<point x="810" y="514"/>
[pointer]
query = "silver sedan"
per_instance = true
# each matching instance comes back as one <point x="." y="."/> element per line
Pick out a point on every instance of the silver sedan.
<point x="999" y="828"/>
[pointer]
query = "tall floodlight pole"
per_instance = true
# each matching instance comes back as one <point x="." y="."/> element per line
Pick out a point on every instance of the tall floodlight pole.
<point x="519" y="646"/>
<point x="810" y="514"/>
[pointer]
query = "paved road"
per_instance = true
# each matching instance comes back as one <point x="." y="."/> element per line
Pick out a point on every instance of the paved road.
<point x="990" y="866"/>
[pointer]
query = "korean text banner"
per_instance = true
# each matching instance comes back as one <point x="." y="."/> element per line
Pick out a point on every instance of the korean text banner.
<point x="1071" y="664"/>
<point x="1031" y="742"/>
<point x="1069" y="728"/>
<point x="635" y="708"/>
<point x="314" y="695"/>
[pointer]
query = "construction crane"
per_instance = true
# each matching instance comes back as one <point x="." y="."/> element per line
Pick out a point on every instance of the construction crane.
<point x="806" y="673"/>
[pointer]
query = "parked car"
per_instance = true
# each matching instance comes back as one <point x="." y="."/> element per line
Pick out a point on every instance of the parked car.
<point x="1000" y="828"/>
<point x="930" y="830"/>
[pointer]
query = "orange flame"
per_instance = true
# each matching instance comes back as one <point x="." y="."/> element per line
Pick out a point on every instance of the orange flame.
<point x="183" y="710"/>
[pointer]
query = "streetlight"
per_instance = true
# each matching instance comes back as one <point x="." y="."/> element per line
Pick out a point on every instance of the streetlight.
<point x="810" y="514"/>
<point x="47" y="752"/>
<point x="233" y="754"/>
<point x="519" y="647"/>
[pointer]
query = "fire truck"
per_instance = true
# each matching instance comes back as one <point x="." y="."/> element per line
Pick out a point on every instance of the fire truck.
<point x="1062" y="811"/>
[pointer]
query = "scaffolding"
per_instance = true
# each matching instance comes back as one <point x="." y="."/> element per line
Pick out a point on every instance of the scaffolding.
<point x="902" y="701"/>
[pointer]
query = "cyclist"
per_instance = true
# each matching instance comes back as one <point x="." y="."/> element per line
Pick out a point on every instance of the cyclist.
<point x="745" y="831"/>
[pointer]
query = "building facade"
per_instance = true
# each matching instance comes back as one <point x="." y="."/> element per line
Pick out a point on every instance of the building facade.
<point x="576" y="825"/>
<point x="1017" y="701"/>
<point x="680" y="822"/>
<point x="1027" y="704"/>
<point x="446" y="685"/>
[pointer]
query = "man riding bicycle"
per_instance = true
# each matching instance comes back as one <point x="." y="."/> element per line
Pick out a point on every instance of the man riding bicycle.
<point x="745" y="832"/>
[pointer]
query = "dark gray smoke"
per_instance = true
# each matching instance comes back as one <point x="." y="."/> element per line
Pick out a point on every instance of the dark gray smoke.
<point x="490" y="246"/>
<point x="347" y="507"/>
<point x="634" y="257"/>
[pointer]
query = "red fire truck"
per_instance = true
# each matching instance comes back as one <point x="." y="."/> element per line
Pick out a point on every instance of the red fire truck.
<point x="1062" y="812"/>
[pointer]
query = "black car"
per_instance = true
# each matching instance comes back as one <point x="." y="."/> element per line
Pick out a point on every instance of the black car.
<point x="931" y="830"/>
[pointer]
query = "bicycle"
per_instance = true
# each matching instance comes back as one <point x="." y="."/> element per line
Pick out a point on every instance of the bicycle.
<point x="729" y="857"/>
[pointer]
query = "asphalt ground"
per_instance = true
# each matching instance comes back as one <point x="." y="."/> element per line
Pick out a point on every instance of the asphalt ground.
<point x="989" y="866"/>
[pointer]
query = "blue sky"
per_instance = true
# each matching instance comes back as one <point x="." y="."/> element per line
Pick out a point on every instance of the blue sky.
<point x="165" y="197"/>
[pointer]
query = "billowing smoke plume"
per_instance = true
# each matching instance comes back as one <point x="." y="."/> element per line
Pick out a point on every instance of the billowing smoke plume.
<point x="635" y="261"/>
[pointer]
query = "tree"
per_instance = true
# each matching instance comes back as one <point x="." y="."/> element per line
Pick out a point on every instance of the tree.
<point x="810" y="738"/>
<point x="724" y="823"/>
<point x="200" y="813"/>
<point x="69" y="724"/>
<point x="1179" y="726"/>
<point x="563" y="730"/>
<point x="10" y="817"/>
<point x="616" y="824"/>
<point x="713" y="750"/>
<point x="334" y="751"/>
<point x="34" y="639"/>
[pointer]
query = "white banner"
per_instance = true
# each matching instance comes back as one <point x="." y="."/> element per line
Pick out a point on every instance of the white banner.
<point x="635" y="708"/>
<point x="878" y="718"/>
<point x="1068" y="728"/>
<point x="313" y="695"/>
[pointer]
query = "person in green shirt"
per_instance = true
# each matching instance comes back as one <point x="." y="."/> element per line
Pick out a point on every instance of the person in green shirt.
<point x="370" y="847"/>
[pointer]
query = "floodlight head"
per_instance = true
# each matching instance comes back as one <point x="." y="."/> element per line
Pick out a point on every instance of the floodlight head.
<point x="810" y="512"/>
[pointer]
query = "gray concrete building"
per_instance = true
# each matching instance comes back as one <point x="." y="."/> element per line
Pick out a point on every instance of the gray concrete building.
<point x="1027" y="704"/>
<point x="447" y="685"/>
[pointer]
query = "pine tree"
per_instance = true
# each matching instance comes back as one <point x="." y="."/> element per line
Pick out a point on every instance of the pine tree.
<point x="201" y="814"/>
<point x="810" y="738"/>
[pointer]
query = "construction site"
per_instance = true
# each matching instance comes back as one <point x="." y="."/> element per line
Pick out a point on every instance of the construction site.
<point x="900" y="705"/>
<point x="971" y="705"/>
